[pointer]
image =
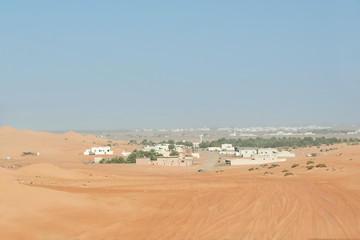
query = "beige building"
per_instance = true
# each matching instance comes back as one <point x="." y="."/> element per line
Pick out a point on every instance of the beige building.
<point x="165" y="161"/>
<point x="172" y="161"/>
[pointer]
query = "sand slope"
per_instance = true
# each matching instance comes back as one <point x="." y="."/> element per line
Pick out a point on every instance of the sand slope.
<point x="56" y="200"/>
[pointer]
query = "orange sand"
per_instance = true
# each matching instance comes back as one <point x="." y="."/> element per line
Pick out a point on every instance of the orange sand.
<point x="56" y="196"/>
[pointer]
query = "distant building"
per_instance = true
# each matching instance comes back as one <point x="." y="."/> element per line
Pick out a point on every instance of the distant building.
<point x="173" y="161"/>
<point x="126" y="154"/>
<point x="246" y="152"/>
<point x="285" y="154"/>
<point x="264" y="157"/>
<point x="165" y="161"/>
<point x="227" y="147"/>
<point x="196" y="155"/>
<point x="99" y="151"/>
<point x="267" y="151"/>
<point x="212" y="149"/>
<point x="254" y="160"/>
<point x="162" y="149"/>
<point x="231" y="153"/>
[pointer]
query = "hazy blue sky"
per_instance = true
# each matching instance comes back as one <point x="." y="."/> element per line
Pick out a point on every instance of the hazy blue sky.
<point x="153" y="64"/>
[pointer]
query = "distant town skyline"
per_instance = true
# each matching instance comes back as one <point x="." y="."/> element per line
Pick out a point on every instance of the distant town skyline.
<point x="89" y="65"/>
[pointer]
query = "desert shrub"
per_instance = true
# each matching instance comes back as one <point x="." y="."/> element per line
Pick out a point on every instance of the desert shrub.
<point x="133" y="142"/>
<point x="310" y="162"/>
<point x="288" y="174"/>
<point x="268" y="173"/>
<point x="321" y="165"/>
<point x="285" y="170"/>
<point x="251" y="169"/>
<point x="273" y="165"/>
<point x="263" y="165"/>
<point x="295" y="165"/>
<point x="310" y="167"/>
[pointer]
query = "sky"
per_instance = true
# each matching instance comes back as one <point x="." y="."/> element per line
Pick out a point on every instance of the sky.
<point x="88" y="65"/>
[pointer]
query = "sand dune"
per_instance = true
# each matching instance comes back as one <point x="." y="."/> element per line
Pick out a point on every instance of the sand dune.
<point x="53" y="198"/>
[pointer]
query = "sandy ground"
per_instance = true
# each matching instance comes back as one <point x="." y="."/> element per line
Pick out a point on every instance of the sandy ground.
<point x="56" y="196"/>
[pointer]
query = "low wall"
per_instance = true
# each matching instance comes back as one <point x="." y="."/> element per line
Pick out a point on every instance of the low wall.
<point x="237" y="162"/>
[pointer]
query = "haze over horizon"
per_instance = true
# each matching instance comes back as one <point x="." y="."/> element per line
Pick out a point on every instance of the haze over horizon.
<point x="80" y="65"/>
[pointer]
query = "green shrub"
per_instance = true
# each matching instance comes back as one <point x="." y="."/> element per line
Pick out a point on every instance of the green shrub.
<point x="321" y="165"/>
<point x="288" y="174"/>
<point x="273" y="165"/>
<point x="310" y="167"/>
<point x="295" y="165"/>
<point x="285" y="170"/>
<point x="251" y="169"/>
<point x="310" y="162"/>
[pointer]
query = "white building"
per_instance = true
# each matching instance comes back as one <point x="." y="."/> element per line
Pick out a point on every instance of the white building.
<point x="180" y="148"/>
<point x="229" y="153"/>
<point x="196" y="155"/>
<point x="285" y="154"/>
<point x="212" y="149"/>
<point x="126" y="154"/>
<point x="247" y="152"/>
<point x="257" y="160"/>
<point x="264" y="157"/>
<point x="99" y="151"/>
<point x="227" y="147"/>
<point x="267" y="151"/>
<point x="160" y="149"/>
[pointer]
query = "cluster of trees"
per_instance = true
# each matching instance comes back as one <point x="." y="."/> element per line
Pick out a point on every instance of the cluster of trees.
<point x="278" y="142"/>
<point x="187" y="143"/>
<point x="133" y="142"/>
<point x="114" y="160"/>
<point x="142" y="154"/>
<point x="132" y="157"/>
<point x="145" y="142"/>
<point x="174" y="153"/>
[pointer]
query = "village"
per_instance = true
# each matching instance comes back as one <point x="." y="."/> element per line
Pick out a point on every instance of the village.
<point x="166" y="154"/>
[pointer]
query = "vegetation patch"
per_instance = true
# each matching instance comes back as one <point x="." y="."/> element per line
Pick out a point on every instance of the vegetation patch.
<point x="174" y="153"/>
<point x="321" y="165"/>
<point x="251" y="169"/>
<point x="273" y="165"/>
<point x="294" y="165"/>
<point x="310" y="162"/>
<point x="285" y="170"/>
<point x="143" y="154"/>
<point x="114" y="160"/>
<point x="288" y="174"/>
<point x="310" y="167"/>
<point x="291" y="142"/>
<point x="268" y="173"/>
